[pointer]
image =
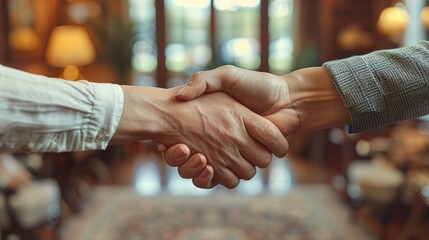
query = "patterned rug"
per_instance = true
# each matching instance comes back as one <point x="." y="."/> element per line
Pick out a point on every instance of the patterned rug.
<point x="312" y="212"/>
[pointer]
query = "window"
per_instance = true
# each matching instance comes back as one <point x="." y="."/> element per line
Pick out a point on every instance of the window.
<point x="281" y="44"/>
<point x="195" y="35"/>
<point x="144" y="56"/>
<point x="238" y="33"/>
<point x="188" y="43"/>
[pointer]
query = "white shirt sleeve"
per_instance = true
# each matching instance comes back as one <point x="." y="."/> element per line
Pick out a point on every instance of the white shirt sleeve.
<point x="41" y="114"/>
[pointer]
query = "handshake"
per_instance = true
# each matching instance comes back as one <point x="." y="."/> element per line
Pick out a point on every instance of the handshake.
<point x="226" y="122"/>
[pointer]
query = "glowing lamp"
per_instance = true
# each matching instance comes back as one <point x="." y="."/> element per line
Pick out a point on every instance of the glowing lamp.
<point x="70" y="47"/>
<point x="24" y="39"/>
<point x="393" y="21"/>
<point x="424" y="15"/>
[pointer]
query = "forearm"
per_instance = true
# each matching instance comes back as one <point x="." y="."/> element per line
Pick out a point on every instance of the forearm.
<point x="384" y="87"/>
<point x="315" y="99"/>
<point x="41" y="114"/>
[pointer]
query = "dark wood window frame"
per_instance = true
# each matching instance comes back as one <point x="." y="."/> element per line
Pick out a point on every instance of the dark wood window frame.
<point x="162" y="73"/>
<point x="3" y="31"/>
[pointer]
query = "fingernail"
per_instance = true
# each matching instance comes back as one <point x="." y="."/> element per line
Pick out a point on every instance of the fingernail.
<point x="196" y="162"/>
<point x="159" y="147"/>
<point x="180" y="152"/>
<point x="183" y="90"/>
<point x="205" y="173"/>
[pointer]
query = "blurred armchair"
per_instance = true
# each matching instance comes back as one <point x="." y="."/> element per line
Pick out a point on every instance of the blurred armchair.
<point x="25" y="203"/>
<point x="385" y="183"/>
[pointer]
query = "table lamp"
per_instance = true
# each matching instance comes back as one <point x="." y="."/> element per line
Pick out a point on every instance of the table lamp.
<point x="70" y="47"/>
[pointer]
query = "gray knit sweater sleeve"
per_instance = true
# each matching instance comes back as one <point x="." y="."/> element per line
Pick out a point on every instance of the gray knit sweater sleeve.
<point x="385" y="86"/>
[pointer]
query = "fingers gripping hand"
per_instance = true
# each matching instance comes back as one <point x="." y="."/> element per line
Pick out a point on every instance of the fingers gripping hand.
<point x="252" y="152"/>
<point x="229" y="169"/>
<point x="194" y="166"/>
<point x="263" y="93"/>
<point x="223" y="135"/>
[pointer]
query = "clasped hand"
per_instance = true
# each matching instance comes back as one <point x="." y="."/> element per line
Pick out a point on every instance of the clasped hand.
<point x="264" y="94"/>
<point x="233" y="139"/>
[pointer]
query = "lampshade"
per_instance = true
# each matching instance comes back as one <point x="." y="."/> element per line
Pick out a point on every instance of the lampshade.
<point x="392" y="21"/>
<point x="425" y="17"/>
<point x="70" y="45"/>
<point x="24" y="39"/>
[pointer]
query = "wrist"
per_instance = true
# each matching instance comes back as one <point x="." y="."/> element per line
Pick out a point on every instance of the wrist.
<point x="316" y="100"/>
<point x="145" y="114"/>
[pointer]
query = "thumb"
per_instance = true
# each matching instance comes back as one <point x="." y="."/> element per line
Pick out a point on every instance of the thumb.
<point x="206" y="81"/>
<point x="195" y="88"/>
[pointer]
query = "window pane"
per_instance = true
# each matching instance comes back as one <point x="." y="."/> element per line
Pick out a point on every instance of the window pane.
<point x="188" y="25"/>
<point x="238" y="32"/>
<point x="281" y="44"/>
<point x="144" y="60"/>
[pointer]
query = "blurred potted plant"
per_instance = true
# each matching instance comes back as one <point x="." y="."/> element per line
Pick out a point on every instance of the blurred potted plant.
<point x="114" y="40"/>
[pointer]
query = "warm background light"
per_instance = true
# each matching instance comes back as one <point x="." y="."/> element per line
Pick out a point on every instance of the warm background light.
<point x="70" y="45"/>
<point x="352" y="37"/>
<point x="71" y="72"/>
<point x="24" y="39"/>
<point x="425" y="17"/>
<point x="393" y="21"/>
